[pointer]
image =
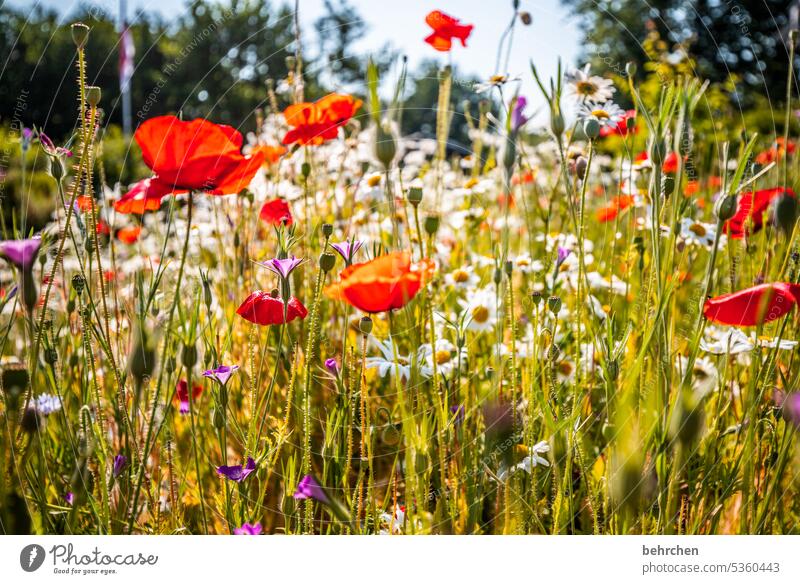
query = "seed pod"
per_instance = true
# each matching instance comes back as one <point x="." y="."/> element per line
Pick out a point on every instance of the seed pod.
<point x="93" y="95"/>
<point x="189" y="356"/>
<point x="432" y="224"/>
<point x="554" y="304"/>
<point x="536" y="297"/>
<point x="591" y="127"/>
<point x="327" y="261"/>
<point x="327" y="229"/>
<point x="365" y="325"/>
<point x="78" y="282"/>
<point x="80" y="34"/>
<point x="725" y="207"/>
<point x="414" y="195"/>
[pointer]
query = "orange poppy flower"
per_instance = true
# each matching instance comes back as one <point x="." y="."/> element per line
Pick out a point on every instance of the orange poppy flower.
<point x="84" y="203"/>
<point x="272" y="154"/>
<point x="130" y="234"/>
<point x="314" y="123"/>
<point x="445" y="29"/>
<point x="617" y="204"/>
<point x="385" y="283"/>
<point x="276" y="212"/>
<point x="145" y="195"/>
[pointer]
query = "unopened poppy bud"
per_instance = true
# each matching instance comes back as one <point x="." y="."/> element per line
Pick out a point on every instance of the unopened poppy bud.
<point x="385" y="144"/>
<point x="415" y="195"/>
<point x="609" y="431"/>
<point x="327" y="230"/>
<point x="305" y="169"/>
<point x="78" y="282"/>
<point x="591" y="127"/>
<point x="581" y="164"/>
<point x="142" y="358"/>
<point x="554" y="304"/>
<point x="526" y="18"/>
<point x="327" y="261"/>
<point x="236" y="240"/>
<point x="553" y="352"/>
<point x="274" y="293"/>
<point x="786" y="213"/>
<point x="509" y="268"/>
<point x="612" y="369"/>
<point x="189" y="356"/>
<point x="725" y="207"/>
<point x="365" y="325"/>
<point x="93" y="95"/>
<point x="88" y="244"/>
<point x="432" y="224"/>
<point x="657" y="151"/>
<point x="80" y="34"/>
<point x="630" y="68"/>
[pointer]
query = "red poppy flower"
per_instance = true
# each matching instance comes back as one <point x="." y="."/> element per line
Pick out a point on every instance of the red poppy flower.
<point x="621" y="129"/>
<point x="272" y="154"/>
<point x="276" y="212"/>
<point x="753" y="306"/>
<point x="102" y="228"/>
<point x="182" y="394"/>
<point x="385" y="283"/>
<point x="145" y="195"/>
<point x="130" y="234"/>
<point x="196" y="156"/>
<point x="776" y="152"/>
<point x="264" y="309"/>
<point x="445" y="29"/>
<point x="669" y="166"/>
<point x="314" y="123"/>
<point x="617" y="205"/>
<point x="753" y="206"/>
<point x="84" y="203"/>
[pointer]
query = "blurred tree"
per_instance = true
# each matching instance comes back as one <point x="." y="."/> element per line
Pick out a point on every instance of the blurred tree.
<point x="742" y="41"/>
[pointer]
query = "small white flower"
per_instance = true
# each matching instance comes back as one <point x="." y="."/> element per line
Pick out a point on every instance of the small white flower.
<point x="607" y="113"/>
<point x="586" y="87"/>
<point x="481" y="309"/>
<point x="446" y="356"/>
<point x="495" y="81"/>
<point x="385" y="362"/>
<point x="533" y="459"/>
<point x="462" y="278"/>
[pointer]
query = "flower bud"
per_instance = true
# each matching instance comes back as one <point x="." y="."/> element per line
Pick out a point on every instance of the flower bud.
<point x="80" y="34"/>
<point x="536" y="297"/>
<point x="725" y="207"/>
<point x="509" y="268"/>
<point x="142" y="358"/>
<point x="365" y="325"/>
<point x="327" y="261"/>
<point x="93" y="94"/>
<point x="581" y="164"/>
<point x="432" y="224"/>
<point x="785" y="213"/>
<point x="305" y="170"/>
<point x="385" y="144"/>
<point x="56" y="168"/>
<point x="657" y="151"/>
<point x="630" y="68"/>
<point x="591" y="127"/>
<point x="557" y="124"/>
<point x="327" y="230"/>
<point x="31" y="421"/>
<point x="189" y="356"/>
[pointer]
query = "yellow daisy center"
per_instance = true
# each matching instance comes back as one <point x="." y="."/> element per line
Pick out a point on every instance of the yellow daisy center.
<point x="480" y="314"/>
<point x="602" y="114"/>
<point x="460" y="276"/>
<point x="442" y="356"/>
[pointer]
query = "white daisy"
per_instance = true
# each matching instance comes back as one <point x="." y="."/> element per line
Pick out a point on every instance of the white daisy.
<point x="607" y="113"/>
<point x="587" y="87"/>
<point x="481" y="309"/>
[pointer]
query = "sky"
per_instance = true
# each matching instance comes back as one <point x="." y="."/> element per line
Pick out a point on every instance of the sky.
<point x="552" y="34"/>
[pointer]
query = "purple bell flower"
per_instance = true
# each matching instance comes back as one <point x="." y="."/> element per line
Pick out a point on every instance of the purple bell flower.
<point x="309" y="488"/>
<point x="237" y="473"/>
<point x="221" y="374"/>
<point x="347" y="249"/>
<point x="120" y="462"/>
<point x="21" y="252"/>
<point x="248" y="529"/>
<point x="282" y="267"/>
<point x="518" y="117"/>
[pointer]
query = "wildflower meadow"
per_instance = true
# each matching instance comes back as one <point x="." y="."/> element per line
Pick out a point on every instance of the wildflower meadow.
<point x="306" y="320"/>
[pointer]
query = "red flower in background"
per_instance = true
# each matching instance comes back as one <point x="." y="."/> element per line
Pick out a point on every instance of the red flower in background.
<point x="264" y="309"/>
<point x="776" y="152"/>
<point x="195" y="156"/>
<point x="445" y="29"/>
<point x="276" y="212"/>
<point x="669" y="166"/>
<point x="314" y="123"/>
<point x="621" y="129"/>
<point x="614" y="208"/>
<point x="753" y="206"/>
<point x="145" y="195"/>
<point x="130" y="234"/>
<point x="182" y="394"/>
<point x="753" y="306"/>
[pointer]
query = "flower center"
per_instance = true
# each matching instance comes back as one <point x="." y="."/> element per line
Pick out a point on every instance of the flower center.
<point x="698" y="229"/>
<point x="480" y="314"/>
<point x="602" y="114"/>
<point x="586" y="87"/>
<point x="460" y="276"/>
<point x="442" y="356"/>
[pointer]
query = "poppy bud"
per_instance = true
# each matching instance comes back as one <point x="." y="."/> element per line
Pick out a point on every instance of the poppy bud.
<point x="142" y="358"/>
<point x="609" y="431"/>
<point x="365" y="325"/>
<point x="509" y="268"/>
<point x="305" y="169"/>
<point x="526" y="18"/>
<point x="630" y="123"/>
<point x="327" y="261"/>
<point x="432" y="224"/>
<point x="327" y="230"/>
<point x="657" y="151"/>
<point x="415" y="195"/>
<point x="581" y="164"/>
<point x="93" y="94"/>
<point x="612" y="369"/>
<point x="630" y="68"/>
<point x="30" y="295"/>
<point x="554" y="304"/>
<point x="80" y="34"/>
<point x="591" y="127"/>
<point x="189" y="356"/>
<point x="14" y="381"/>
<point x="725" y="207"/>
<point x="689" y="422"/>
<point x="786" y="213"/>
<point x="498" y="276"/>
<point x="385" y="144"/>
<point x="219" y="418"/>
<point x="88" y="244"/>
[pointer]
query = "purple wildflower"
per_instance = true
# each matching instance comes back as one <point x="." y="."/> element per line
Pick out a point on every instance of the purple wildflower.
<point x="458" y="412"/>
<point x="120" y="462"/>
<point x="309" y="488"/>
<point x="22" y="252"/>
<point x="563" y="254"/>
<point x="237" y="473"/>
<point x="332" y="366"/>
<point x="69" y="498"/>
<point x="222" y="373"/>
<point x="282" y="267"/>
<point x="248" y="529"/>
<point x="51" y="149"/>
<point x="347" y="249"/>
<point x="518" y="117"/>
